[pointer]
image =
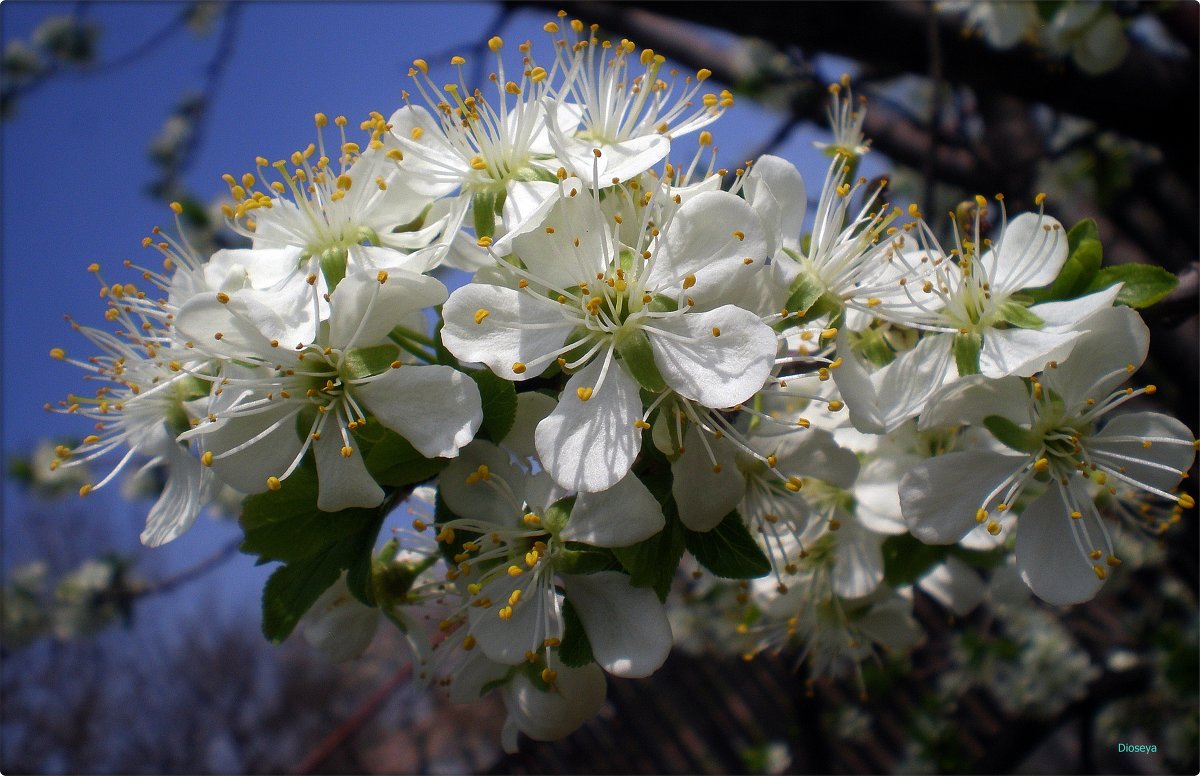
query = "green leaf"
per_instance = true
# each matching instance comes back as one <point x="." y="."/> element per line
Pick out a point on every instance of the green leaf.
<point x="1012" y="435"/>
<point x="585" y="560"/>
<point x="728" y="551"/>
<point x="499" y="399"/>
<point x="1017" y="314"/>
<point x="906" y="559"/>
<point x="633" y="346"/>
<point x="652" y="563"/>
<point x="292" y="590"/>
<point x="393" y="461"/>
<point x="1145" y="284"/>
<point x="966" y="353"/>
<point x="361" y="362"/>
<point x="575" y="650"/>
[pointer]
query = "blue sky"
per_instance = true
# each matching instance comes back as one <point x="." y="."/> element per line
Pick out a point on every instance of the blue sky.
<point x="75" y="163"/>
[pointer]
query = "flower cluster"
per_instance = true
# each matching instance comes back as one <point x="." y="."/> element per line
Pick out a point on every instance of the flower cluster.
<point x="645" y="362"/>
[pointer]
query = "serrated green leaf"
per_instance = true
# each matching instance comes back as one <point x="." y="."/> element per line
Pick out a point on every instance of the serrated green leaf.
<point x="393" y="461"/>
<point x="361" y="362"/>
<point x="293" y="589"/>
<point x="1145" y="284"/>
<point x="967" y="348"/>
<point x="575" y="650"/>
<point x="499" y="399"/>
<point x="728" y="551"/>
<point x="652" y="563"/>
<point x="906" y="559"/>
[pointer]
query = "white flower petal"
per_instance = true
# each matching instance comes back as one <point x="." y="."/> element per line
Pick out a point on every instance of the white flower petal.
<point x="1023" y="352"/>
<point x="858" y="564"/>
<point x="518" y="327"/>
<point x="954" y="585"/>
<point x="532" y="408"/>
<point x="701" y="242"/>
<point x="626" y="625"/>
<point x="338" y="625"/>
<point x="436" y="408"/>
<point x="551" y="253"/>
<point x="475" y="498"/>
<point x="1031" y="252"/>
<point x="181" y="500"/>
<point x="363" y="310"/>
<point x="1049" y="560"/>
<point x="704" y="496"/>
<point x="577" y="695"/>
<point x="624" y="514"/>
<point x="344" y="480"/>
<point x="507" y="641"/>
<point x="590" y="445"/>
<point x="716" y="371"/>
<point x="1116" y="339"/>
<point x="1070" y="314"/>
<point x="775" y="189"/>
<point x="940" y="496"/>
<point x="882" y="401"/>
<point x="1123" y="436"/>
<point x="968" y="400"/>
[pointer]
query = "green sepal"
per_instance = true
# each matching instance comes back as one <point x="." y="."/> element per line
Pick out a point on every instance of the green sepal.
<point x="652" y="563"/>
<point x="967" y="348"/>
<point x="1145" y="284"/>
<point x="333" y="265"/>
<point x="575" y="650"/>
<point x="661" y="303"/>
<point x="558" y="514"/>
<point x="499" y="682"/>
<point x="363" y="362"/>
<point x="906" y="559"/>
<point x="874" y="347"/>
<point x="483" y="211"/>
<point x="803" y="294"/>
<point x="499" y="399"/>
<point x="1011" y="435"/>
<point x="1016" y="314"/>
<point x="392" y="460"/>
<point x="728" y="550"/>
<point x="580" y="558"/>
<point x="634" y="349"/>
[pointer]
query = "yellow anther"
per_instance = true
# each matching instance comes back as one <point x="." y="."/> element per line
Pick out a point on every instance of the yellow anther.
<point x="1099" y="570"/>
<point x="85" y="489"/>
<point x="706" y="138"/>
<point x="58" y="354"/>
<point x="1039" y="200"/>
<point x="703" y="74"/>
<point x="716" y="331"/>
<point x="1113" y="560"/>
<point x="273" y="483"/>
<point x="550" y="27"/>
<point x="320" y="119"/>
<point x="772" y="461"/>
<point x="495" y="43"/>
<point x="176" y="208"/>
<point x="689" y="281"/>
<point x="478" y="163"/>
<point x="207" y="458"/>
<point x="480" y="314"/>
<point x="980" y="515"/>
<point x="1041" y="465"/>
<point x="793" y="484"/>
<point x="829" y="333"/>
<point x="993" y="528"/>
<point x="641" y="424"/>
<point x="518" y="368"/>
<point x="505" y="613"/>
<point x="514" y="597"/>
<point x="531" y="519"/>
<point x="515" y="570"/>
<point x="1076" y="514"/>
<point x="469" y="643"/>
<point x="583" y="393"/>
<point x="874" y="301"/>
<point x="549" y="675"/>
<point x="457" y="60"/>
<point x="835" y="405"/>
<point x="531" y="558"/>
<point x="1186" y="501"/>
<point x="419" y="525"/>
<point x="347" y="452"/>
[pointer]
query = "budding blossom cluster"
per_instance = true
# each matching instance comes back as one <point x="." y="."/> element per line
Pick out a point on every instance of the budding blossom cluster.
<point x="642" y="361"/>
